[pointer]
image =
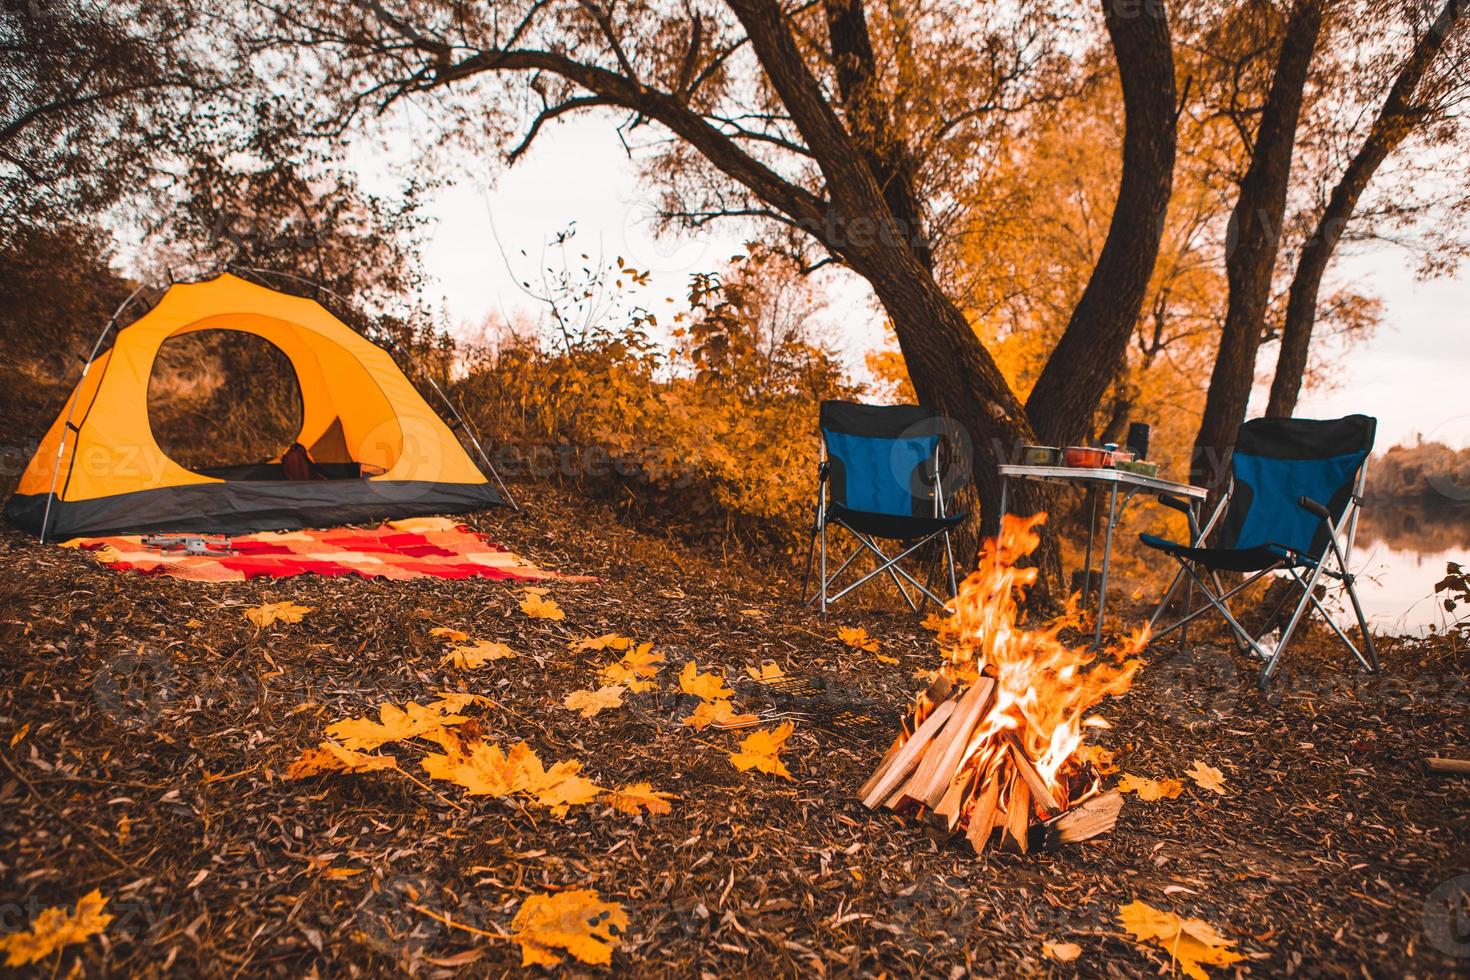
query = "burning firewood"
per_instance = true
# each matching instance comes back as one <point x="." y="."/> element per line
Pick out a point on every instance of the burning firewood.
<point x="993" y="747"/>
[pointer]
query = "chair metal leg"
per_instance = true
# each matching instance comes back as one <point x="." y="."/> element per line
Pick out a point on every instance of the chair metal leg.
<point x="1296" y="617"/>
<point x="1368" y="646"/>
<point x="823" y="569"/>
<point x="954" y="585"/>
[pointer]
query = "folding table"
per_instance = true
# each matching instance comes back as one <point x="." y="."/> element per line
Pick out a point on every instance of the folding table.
<point x="1097" y="480"/>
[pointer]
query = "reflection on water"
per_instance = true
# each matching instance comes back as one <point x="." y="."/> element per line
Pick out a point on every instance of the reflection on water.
<point x="1401" y="553"/>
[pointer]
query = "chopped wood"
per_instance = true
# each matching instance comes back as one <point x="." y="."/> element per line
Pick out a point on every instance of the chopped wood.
<point x="948" y="749"/>
<point x="951" y="806"/>
<point x="1018" y="815"/>
<point x="908" y="756"/>
<point x="883" y="765"/>
<point x="1456" y="767"/>
<point x="982" y="816"/>
<point x="1089" y="818"/>
<point x="1038" y="789"/>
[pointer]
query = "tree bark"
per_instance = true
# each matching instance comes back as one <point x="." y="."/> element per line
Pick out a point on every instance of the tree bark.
<point x="1400" y="115"/>
<point x="1086" y="359"/>
<point x="1255" y="237"/>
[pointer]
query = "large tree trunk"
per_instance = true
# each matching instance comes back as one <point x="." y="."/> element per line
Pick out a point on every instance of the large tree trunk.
<point x="1401" y="115"/>
<point x="1251" y="252"/>
<point x="1086" y="359"/>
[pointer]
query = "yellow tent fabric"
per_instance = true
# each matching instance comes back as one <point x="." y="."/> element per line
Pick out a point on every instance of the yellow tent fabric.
<point x="358" y="408"/>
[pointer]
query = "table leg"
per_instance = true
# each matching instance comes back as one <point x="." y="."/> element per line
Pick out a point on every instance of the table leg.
<point x="1091" y="532"/>
<point x="1102" y="582"/>
<point x="1005" y="485"/>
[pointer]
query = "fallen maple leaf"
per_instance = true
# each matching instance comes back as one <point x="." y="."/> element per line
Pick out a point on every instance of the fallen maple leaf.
<point x="882" y="659"/>
<point x="933" y="622"/>
<point x="331" y="757"/>
<point x="1150" y="789"/>
<point x="639" y="796"/>
<point x="577" y="921"/>
<point x="1103" y="760"/>
<point x="636" y="670"/>
<point x="607" y="641"/>
<point x="1207" y="777"/>
<point x="452" y="701"/>
<point x="484" y="770"/>
<point x="449" y="635"/>
<point x="1061" y="952"/>
<point x="766" y="672"/>
<point x="477" y="655"/>
<point x="706" y="687"/>
<point x="1190" y="941"/>
<point x="857" y="638"/>
<point x="590" y="703"/>
<point x="535" y="604"/>
<point x="55" y="928"/>
<point x="720" y="714"/>
<point x="761" y="750"/>
<point x="277" y="612"/>
<point x="395" y="724"/>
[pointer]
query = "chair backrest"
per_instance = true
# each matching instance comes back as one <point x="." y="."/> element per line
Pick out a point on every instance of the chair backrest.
<point x="1277" y="461"/>
<point x="880" y="456"/>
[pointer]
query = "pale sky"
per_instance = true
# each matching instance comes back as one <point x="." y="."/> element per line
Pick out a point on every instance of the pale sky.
<point x="1414" y="375"/>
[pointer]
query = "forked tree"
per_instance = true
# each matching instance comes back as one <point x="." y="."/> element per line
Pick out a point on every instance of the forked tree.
<point x="827" y="118"/>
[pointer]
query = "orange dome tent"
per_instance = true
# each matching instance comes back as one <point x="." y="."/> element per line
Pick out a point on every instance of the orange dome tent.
<point x="383" y="451"/>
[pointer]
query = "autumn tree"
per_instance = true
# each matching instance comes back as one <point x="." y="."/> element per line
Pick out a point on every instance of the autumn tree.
<point x="1429" y="84"/>
<point x="801" y="111"/>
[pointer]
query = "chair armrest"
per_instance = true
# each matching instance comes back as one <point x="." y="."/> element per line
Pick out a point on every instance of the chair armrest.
<point x="1312" y="507"/>
<point x="824" y="470"/>
<point x="1174" y="503"/>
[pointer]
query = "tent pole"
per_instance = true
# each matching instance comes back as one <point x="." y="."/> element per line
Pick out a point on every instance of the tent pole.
<point x="72" y="407"/>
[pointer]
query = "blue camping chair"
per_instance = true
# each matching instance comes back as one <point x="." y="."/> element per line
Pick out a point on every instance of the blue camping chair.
<point x="1292" y="505"/>
<point x="879" y="480"/>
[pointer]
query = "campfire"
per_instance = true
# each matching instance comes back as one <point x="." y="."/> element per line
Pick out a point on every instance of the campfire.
<point x="995" y="745"/>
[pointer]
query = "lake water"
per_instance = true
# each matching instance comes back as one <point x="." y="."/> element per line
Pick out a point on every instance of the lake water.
<point x="1400" y="555"/>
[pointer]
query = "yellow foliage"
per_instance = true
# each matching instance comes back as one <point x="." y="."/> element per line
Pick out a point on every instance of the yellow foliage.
<point x="590" y="703"/>
<point x="1150" y="789"/>
<point x="636" y="670"/>
<point x="477" y="654"/>
<point x="449" y="635"/>
<point x="1190" y="941"/>
<point x="638" y="797"/>
<point x="535" y="604"/>
<point x="607" y="641"/>
<point x="576" y="921"/>
<point x="762" y="751"/>
<point x="331" y="757"/>
<point x="857" y="638"/>
<point x="1207" y="777"/>
<point x="720" y="714"/>
<point x="395" y="724"/>
<point x="707" y="687"/>
<point x="55" y="928"/>
<point x="277" y="612"/>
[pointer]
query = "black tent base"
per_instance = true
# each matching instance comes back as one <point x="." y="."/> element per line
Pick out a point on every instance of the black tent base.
<point x="239" y="508"/>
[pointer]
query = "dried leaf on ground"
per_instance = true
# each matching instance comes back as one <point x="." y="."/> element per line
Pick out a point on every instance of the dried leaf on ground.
<point x="590" y="703"/>
<point x="1207" y="777"/>
<point x="394" y="724"/>
<point x="636" y="670"/>
<point x="1190" y="941"/>
<point x="1103" y="760"/>
<point x="449" y="635"/>
<point x="762" y="750"/>
<point x="1061" y="952"/>
<point x="766" y="672"/>
<point x="483" y="769"/>
<point x="277" y="612"/>
<point x="720" y="714"/>
<point x="857" y="638"/>
<point x="576" y="921"/>
<point x="55" y="928"/>
<point x="607" y="641"/>
<point x="331" y="757"/>
<point x="20" y="734"/>
<point x="1150" y="789"/>
<point x="477" y="655"/>
<point x="885" y="659"/>
<point x="637" y="797"/>
<point x="535" y="604"/>
<point x="707" y="687"/>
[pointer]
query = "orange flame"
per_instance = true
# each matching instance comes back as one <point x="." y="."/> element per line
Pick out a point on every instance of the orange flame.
<point x="1043" y="687"/>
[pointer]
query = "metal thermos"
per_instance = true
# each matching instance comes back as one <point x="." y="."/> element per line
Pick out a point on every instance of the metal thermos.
<point x="1138" y="433"/>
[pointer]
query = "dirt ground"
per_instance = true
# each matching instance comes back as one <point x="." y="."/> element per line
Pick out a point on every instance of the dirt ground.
<point x="161" y="722"/>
